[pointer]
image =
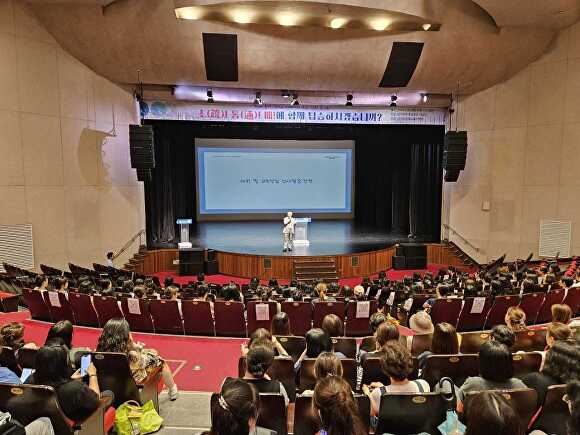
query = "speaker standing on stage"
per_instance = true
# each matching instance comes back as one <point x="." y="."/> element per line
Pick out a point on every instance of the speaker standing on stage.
<point x="288" y="232"/>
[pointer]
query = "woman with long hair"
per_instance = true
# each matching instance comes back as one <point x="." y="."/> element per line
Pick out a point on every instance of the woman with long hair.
<point x="445" y="342"/>
<point x="337" y="409"/>
<point x="490" y="413"/>
<point x="116" y="337"/>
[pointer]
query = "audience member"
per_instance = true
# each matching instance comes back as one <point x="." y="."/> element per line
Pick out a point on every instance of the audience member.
<point x="515" y="319"/>
<point x="258" y="360"/>
<point x="444" y="342"/>
<point x="261" y="336"/>
<point x="490" y="413"/>
<point x="12" y="336"/>
<point x="503" y="334"/>
<point x="41" y="283"/>
<point x="280" y="324"/>
<point x="320" y="290"/>
<point x="561" y="313"/>
<point x="317" y="341"/>
<point x="421" y="323"/>
<point x="332" y="325"/>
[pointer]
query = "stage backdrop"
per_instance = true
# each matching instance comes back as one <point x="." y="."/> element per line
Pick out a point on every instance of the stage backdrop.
<point x="398" y="173"/>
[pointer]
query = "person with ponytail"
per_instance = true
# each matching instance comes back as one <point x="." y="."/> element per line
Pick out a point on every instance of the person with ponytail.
<point x="337" y="408"/>
<point x="258" y="360"/>
<point x="235" y="410"/>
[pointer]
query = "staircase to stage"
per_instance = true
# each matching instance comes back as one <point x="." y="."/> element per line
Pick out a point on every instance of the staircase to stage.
<point x="319" y="268"/>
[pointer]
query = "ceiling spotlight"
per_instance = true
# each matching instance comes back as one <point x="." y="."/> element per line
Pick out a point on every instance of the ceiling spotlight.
<point x="349" y="98"/>
<point x="380" y="24"/>
<point x="393" y="100"/>
<point x="188" y="13"/>
<point x="209" y="96"/>
<point x="242" y="16"/>
<point x="424" y="97"/>
<point x="258" y="99"/>
<point x="287" y="19"/>
<point x="294" y="100"/>
<point x="426" y="26"/>
<point x="337" y="23"/>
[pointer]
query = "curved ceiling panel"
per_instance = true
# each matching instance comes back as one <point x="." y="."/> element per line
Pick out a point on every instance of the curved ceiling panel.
<point x="145" y="34"/>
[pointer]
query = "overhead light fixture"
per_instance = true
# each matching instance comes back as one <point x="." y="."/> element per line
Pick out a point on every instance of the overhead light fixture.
<point x="424" y="97"/>
<point x="287" y="19"/>
<point x="393" y="100"/>
<point x="380" y="24"/>
<point x="349" y="98"/>
<point x="426" y="26"/>
<point x="294" y="100"/>
<point x="242" y="16"/>
<point x="337" y="23"/>
<point x="209" y="94"/>
<point x="189" y="13"/>
<point x="258" y="99"/>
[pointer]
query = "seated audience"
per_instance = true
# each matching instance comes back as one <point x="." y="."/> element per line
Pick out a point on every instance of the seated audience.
<point x="61" y="334"/>
<point x="445" y="342"/>
<point x="560" y="367"/>
<point x="386" y="333"/>
<point x="116" y="337"/>
<point x="515" y="319"/>
<point x="503" y="334"/>
<point x="337" y="408"/>
<point x="12" y="336"/>
<point x="280" y="324"/>
<point x="61" y="285"/>
<point x="77" y="400"/>
<point x="327" y="364"/>
<point x="397" y="364"/>
<point x="261" y="335"/>
<point x="495" y="372"/>
<point x="421" y="323"/>
<point x="490" y="413"/>
<point x="258" y="360"/>
<point x="561" y="313"/>
<point x="332" y="325"/>
<point x="557" y="332"/>
<point x="317" y="341"/>
<point x="320" y="290"/>
<point x="41" y="283"/>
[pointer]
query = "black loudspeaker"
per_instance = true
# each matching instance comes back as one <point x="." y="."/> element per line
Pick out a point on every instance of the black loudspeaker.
<point x="454" y="154"/>
<point x="399" y="262"/>
<point x="211" y="267"/>
<point x="400" y="251"/>
<point x="211" y="255"/>
<point x="414" y="250"/>
<point x="191" y="255"/>
<point x="188" y="269"/>
<point x="142" y="150"/>
<point x="416" y="262"/>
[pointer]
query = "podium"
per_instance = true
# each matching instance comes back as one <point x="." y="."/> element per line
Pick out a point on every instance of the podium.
<point x="184" y="233"/>
<point x="301" y="231"/>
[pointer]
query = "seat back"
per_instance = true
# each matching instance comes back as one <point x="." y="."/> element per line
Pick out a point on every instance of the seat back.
<point x="229" y="319"/>
<point x="137" y="313"/>
<point x="368" y="344"/>
<point x="524" y="401"/>
<point x="456" y="367"/>
<point x="420" y="343"/>
<point x="166" y="316"/>
<point x="531" y="304"/>
<point x="282" y="369"/>
<point x="349" y="371"/>
<point x="411" y="413"/>
<point x="293" y="345"/>
<point x="472" y="341"/>
<point x="300" y="316"/>
<point x="308" y="378"/>
<point x="446" y="310"/>
<point x="554" y="415"/>
<point x="107" y="308"/>
<point x="259" y="316"/>
<point x="114" y="374"/>
<point x="530" y="340"/>
<point x="8" y="360"/>
<point x="322" y="309"/>
<point x="346" y="345"/>
<point x="35" y="302"/>
<point x="272" y="413"/>
<point x="572" y="299"/>
<point x="197" y="318"/>
<point x="552" y="297"/>
<point x="418" y="302"/>
<point x="27" y="357"/>
<point x="525" y="363"/>
<point x="372" y="372"/>
<point x="59" y="306"/>
<point x="26" y="403"/>
<point x="496" y="315"/>
<point x="357" y="317"/>
<point x="472" y="317"/>
<point x="83" y="309"/>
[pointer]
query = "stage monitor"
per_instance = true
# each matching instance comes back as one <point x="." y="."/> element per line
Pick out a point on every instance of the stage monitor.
<point x="263" y="179"/>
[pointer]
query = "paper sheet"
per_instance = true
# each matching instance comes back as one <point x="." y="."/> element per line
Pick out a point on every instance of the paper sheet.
<point x="378" y="295"/>
<point x="262" y="312"/>
<point x="363" y="309"/>
<point x="53" y="298"/>
<point x="133" y="306"/>
<point x="478" y="305"/>
<point x="408" y="304"/>
<point x="391" y="298"/>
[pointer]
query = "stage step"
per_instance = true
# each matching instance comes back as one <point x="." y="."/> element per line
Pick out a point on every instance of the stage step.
<point x="319" y="268"/>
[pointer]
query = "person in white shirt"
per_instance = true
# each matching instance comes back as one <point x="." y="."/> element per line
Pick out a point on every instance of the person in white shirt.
<point x="288" y="232"/>
<point x="110" y="257"/>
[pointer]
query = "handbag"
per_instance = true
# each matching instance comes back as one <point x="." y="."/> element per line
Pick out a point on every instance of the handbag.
<point x="134" y="419"/>
<point x="451" y="425"/>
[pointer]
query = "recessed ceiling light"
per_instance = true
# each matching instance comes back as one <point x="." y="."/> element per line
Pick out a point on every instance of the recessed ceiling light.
<point x="426" y="26"/>
<point x="188" y="13"/>
<point x="337" y="23"/>
<point x="287" y="19"/>
<point x="380" y="24"/>
<point x="242" y="16"/>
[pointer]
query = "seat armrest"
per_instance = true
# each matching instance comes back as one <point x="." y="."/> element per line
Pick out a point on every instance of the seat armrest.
<point x="94" y="424"/>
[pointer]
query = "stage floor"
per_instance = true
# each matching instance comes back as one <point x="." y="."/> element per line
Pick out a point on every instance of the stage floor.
<point x="265" y="238"/>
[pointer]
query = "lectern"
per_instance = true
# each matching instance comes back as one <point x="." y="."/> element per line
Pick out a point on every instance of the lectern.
<point x="301" y="231"/>
<point x="184" y="232"/>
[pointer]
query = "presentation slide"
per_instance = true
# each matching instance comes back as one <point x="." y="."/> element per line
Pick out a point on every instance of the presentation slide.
<point x="270" y="177"/>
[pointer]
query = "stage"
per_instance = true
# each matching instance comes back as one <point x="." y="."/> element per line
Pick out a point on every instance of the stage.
<point x="327" y="238"/>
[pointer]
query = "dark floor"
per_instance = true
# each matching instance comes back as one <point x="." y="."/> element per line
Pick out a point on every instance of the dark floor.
<point x="265" y="238"/>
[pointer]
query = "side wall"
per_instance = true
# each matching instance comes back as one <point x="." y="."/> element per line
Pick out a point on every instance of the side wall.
<point x="523" y="156"/>
<point x="59" y="169"/>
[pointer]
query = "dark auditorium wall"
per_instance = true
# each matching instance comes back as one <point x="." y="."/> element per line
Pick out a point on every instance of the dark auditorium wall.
<point x="398" y="173"/>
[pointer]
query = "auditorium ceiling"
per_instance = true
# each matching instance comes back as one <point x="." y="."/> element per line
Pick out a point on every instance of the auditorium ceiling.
<point x="370" y="47"/>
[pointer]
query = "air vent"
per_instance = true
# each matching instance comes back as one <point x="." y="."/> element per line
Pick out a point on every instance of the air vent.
<point x="221" y="57"/>
<point x="402" y="63"/>
<point x="16" y="246"/>
<point x="555" y="238"/>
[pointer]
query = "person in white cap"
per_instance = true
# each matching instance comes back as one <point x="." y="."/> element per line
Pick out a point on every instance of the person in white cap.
<point x="288" y="232"/>
<point x="421" y="323"/>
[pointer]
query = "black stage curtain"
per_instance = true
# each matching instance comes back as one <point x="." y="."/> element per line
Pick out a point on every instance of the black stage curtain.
<point x="398" y="173"/>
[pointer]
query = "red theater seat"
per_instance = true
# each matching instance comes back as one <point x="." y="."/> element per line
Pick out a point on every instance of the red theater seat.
<point x="322" y="309"/>
<point x="83" y="309"/>
<point x="446" y="310"/>
<point x="35" y="302"/>
<point x="496" y="315"/>
<point x="229" y="319"/>
<point x="531" y="304"/>
<point x="300" y="316"/>
<point x="572" y="299"/>
<point x="358" y="326"/>
<point x="8" y="302"/>
<point x="197" y="318"/>
<point x="136" y="312"/>
<point x="552" y="297"/>
<point x="469" y="321"/>
<point x="107" y="308"/>
<point x="253" y="322"/>
<point x="59" y="306"/>
<point x="166" y="316"/>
